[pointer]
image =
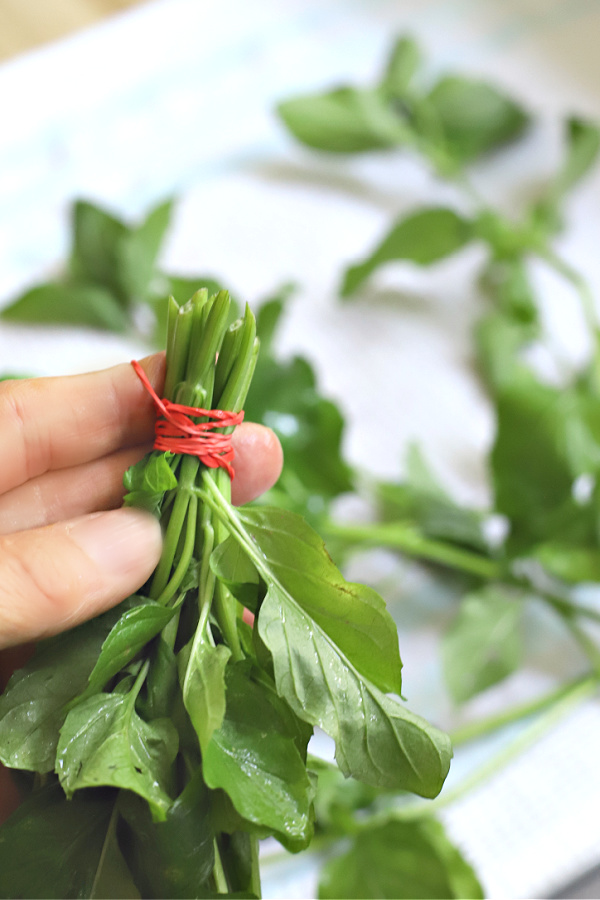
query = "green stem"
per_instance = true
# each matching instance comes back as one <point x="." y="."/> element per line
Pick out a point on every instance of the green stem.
<point x="569" y="609"/>
<point x="112" y="824"/>
<point x="579" y="283"/>
<point x="572" y="698"/>
<point x="219" y="872"/>
<point x="225" y="604"/>
<point x="483" y="727"/>
<point x="587" y="645"/>
<point x="186" y="554"/>
<point x="255" y="885"/>
<point x="189" y="467"/>
<point x="406" y="538"/>
<point x="137" y="685"/>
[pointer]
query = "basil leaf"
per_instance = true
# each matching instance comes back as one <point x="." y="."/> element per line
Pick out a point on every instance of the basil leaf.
<point x="202" y="678"/>
<point x="113" y="255"/>
<point x="162" y="687"/>
<point x="583" y="144"/>
<point x="75" y="851"/>
<point x="424" y="238"/>
<point x="181" y="288"/>
<point x="97" y="240"/>
<point x="148" y="480"/>
<point x="284" y="395"/>
<point x="173" y="858"/>
<point x="484" y="644"/>
<point x="82" y="304"/>
<point x="236" y="570"/>
<point x="152" y="474"/>
<point x="533" y="479"/>
<point x="500" y="341"/>
<point x="402" y="860"/>
<point x="344" y="120"/>
<point x="128" y="636"/>
<point x="137" y="253"/>
<point x="352" y="616"/>
<point x="254" y="758"/>
<point x="509" y="286"/>
<point x="474" y="117"/>
<point x="569" y="562"/>
<point x="334" y="649"/>
<point x="404" y="60"/>
<point x="421" y="500"/>
<point x="32" y="708"/>
<point x="337" y="798"/>
<point x="104" y="742"/>
<point x="396" y="749"/>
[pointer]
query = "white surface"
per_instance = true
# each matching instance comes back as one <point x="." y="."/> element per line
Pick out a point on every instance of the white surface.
<point x="177" y="97"/>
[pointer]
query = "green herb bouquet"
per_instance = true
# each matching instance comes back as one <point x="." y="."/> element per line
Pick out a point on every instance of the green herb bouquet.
<point x="161" y="741"/>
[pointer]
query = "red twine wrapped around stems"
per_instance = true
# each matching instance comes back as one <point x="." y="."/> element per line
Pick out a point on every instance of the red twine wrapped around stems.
<point x="175" y="431"/>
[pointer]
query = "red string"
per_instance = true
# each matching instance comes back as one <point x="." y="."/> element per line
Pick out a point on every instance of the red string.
<point x="176" y="432"/>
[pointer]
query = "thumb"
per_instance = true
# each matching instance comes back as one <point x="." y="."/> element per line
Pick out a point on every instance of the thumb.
<point x="52" y="578"/>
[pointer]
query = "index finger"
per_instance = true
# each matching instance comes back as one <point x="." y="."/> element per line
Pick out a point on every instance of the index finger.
<point x="53" y="423"/>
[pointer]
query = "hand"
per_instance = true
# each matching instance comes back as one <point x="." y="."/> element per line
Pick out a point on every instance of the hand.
<point x="64" y="446"/>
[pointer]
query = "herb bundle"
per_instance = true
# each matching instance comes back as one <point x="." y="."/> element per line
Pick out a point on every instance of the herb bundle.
<point x="168" y="735"/>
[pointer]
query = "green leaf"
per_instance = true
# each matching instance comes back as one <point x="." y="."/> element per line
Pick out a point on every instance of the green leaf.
<point x="344" y="120"/>
<point x="55" y="848"/>
<point x="353" y="616"/>
<point x="138" y="253"/>
<point x="546" y="438"/>
<point x="128" y="636"/>
<point x="173" y="858"/>
<point x="569" y="562"/>
<point x="423" y="238"/>
<point x="104" y="742"/>
<point x="269" y="315"/>
<point x="402" y="860"/>
<point x="403" y="62"/>
<point x="474" y="117"/>
<point x="284" y="395"/>
<point x="98" y="238"/>
<point x="182" y="288"/>
<point x="148" y="480"/>
<point x="254" y="758"/>
<point x="422" y="500"/>
<point x="202" y="678"/>
<point x="32" y="708"/>
<point x="335" y="652"/>
<point x="83" y="304"/>
<point x="508" y="285"/>
<point x="500" y="341"/>
<point x="583" y="144"/>
<point x="162" y="684"/>
<point x="152" y="474"/>
<point x="484" y="644"/>
<point x="338" y="798"/>
<point x="236" y="570"/>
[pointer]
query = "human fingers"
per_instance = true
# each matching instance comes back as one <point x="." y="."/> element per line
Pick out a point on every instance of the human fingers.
<point x="67" y="493"/>
<point x="54" y="577"/>
<point x="56" y="423"/>
<point x="257" y="463"/>
<point x="97" y="485"/>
